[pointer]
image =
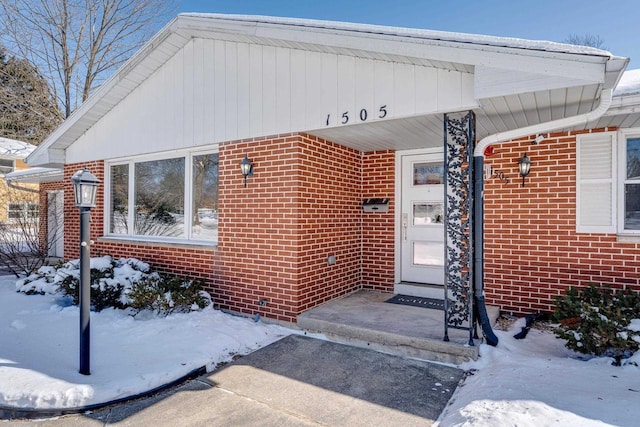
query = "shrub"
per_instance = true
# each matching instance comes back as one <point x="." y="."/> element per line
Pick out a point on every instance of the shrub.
<point x="120" y="284"/>
<point x="165" y="294"/>
<point x="105" y="291"/>
<point x="598" y="321"/>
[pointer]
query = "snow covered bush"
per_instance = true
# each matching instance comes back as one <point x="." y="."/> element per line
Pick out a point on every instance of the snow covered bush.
<point x="165" y="294"/>
<point x="121" y="283"/>
<point x="599" y="321"/>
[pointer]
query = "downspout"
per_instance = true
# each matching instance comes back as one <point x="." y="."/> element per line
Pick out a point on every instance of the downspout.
<point x="478" y="203"/>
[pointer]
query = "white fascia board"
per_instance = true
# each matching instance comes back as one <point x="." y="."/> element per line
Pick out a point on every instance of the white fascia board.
<point x="623" y="105"/>
<point x="492" y="82"/>
<point x="584" y="67"/>
<point x="35" y="175"/>
<point x="51" y="157"/>
<point x="580" y="65"/>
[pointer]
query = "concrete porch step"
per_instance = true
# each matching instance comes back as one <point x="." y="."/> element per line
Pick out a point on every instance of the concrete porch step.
<point x="364" y="319"/>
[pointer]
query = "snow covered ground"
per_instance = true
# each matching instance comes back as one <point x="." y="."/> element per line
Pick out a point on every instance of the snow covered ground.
<point x="537" y="382"/>
<point x="39" y="350"/>
<point x="530" y="382"/>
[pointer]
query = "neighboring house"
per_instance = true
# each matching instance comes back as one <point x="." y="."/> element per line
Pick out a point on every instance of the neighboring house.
<point x="332" y="115"/>
<point x="49" y="203"/>
<point x="15" y="201"/>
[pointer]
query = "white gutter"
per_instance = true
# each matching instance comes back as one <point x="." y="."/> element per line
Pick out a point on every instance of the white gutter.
<point x="34" y="175"/>
<point x="581" y="119"/>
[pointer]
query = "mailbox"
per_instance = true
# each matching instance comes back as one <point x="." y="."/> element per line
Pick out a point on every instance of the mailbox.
<point x="375" y="205"/>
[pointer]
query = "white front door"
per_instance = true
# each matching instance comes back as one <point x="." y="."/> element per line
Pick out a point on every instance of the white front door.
<point x="422" y="218"/>
<point x="55" y="223"/>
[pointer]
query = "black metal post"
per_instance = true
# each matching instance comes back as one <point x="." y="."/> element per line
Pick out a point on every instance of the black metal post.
<point x="85" y="292"/>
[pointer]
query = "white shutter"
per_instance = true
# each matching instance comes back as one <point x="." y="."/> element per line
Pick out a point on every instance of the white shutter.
<point x="595" y="183"/>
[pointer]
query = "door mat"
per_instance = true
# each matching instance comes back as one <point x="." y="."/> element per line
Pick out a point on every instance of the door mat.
<point x="432" y="303"/>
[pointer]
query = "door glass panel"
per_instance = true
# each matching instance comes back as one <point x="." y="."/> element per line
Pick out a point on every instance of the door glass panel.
<point x="428" y="213"/>
<point x="431" y="173"/>
<point x="428" y="253"/>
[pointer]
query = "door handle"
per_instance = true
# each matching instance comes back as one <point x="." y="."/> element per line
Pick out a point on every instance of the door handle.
<point x="405" y="224"/>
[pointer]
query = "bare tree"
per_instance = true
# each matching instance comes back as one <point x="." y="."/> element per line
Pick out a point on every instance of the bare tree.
<point x="586" y="40"/>
<point x="76" y="44"/>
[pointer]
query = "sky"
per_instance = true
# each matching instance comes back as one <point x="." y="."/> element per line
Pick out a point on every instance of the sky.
<point x="552" y="20"/>
<point x="531" y="382"/>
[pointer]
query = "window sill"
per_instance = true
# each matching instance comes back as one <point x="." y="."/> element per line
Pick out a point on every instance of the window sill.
<point x="628" y="238"/>
<point x="148" y="242"/>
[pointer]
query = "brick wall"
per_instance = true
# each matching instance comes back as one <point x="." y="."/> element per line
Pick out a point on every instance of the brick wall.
<point x="299" y="207"/>
<point x="72" y="213"/>
<point x="378" y="238"/>
<point x="532" y="250"/>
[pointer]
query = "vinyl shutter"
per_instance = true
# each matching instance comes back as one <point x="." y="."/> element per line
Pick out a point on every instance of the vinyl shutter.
<point x="595" y="183"/>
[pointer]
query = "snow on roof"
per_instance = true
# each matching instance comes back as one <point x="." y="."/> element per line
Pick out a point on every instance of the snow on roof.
<point x="629" y="83"/>
<point x="14" y="149"/>
<point x="542" y="45"/>
<point x="35" y="175"/>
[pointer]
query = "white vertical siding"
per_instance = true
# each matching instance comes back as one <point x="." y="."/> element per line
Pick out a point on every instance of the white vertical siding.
<point x="214" y="91"/>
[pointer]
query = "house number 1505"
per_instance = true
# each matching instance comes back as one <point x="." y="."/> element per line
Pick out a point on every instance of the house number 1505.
<point x="363" y="115"/>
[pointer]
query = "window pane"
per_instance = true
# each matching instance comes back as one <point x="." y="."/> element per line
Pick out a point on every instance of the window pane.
<point x="159" y="198"/>
<point x="633" y="158"/>
<point x="119" y="199"/>
<point x="6" y="166"/>
<point x="632" y="207"/>
<point x="428" y="213"/>
<point x="428" y="173"/>
<point x="205" y="197"/>
<point x="428" y="253"/>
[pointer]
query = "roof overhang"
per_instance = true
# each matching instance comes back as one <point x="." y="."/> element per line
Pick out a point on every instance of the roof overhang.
<point x="516" y="82"/>
<point x="35" y="175"/>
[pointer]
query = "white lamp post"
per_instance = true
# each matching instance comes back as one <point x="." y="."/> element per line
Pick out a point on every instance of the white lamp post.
<point x="85" y="186"/>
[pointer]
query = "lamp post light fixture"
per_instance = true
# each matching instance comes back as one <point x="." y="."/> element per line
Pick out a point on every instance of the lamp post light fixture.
<point x="247" y="169"/>
<point x="524" y="166"/>
<point x="85" y="186"/>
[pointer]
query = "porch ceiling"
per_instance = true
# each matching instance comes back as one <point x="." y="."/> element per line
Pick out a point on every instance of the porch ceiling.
<point x="493" y="115"/>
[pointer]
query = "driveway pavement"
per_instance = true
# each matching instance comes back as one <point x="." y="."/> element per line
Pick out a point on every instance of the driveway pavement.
<point x="297" y="381"/>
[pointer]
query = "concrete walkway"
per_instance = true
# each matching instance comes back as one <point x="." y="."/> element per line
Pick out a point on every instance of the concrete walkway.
<point x="297" y="381"/>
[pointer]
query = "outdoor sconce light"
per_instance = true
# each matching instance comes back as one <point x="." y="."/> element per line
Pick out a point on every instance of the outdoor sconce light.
<point x="85" y="186"/>
<point x="247" y="169"/>
<point x="524" y="166"/>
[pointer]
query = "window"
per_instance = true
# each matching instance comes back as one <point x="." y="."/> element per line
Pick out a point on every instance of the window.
<point x="630" y="187"/>
<point x="22" y="210"/>
<point x="174" y="198"/>
<point x="608" y="182"/>
<point x="6" y="166"/>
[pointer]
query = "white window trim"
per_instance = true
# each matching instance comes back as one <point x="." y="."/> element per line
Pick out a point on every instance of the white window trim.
<point x="624" y="134"/>
<point x="188" y="155"/>
<point x="23" y="207"/>
<point x="608" y="229"/>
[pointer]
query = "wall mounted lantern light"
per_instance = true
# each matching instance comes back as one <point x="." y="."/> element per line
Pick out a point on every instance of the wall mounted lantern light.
<point x="85" y="186"/>
<point x="524" y="166"/>
<point x="247" y="169"/>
